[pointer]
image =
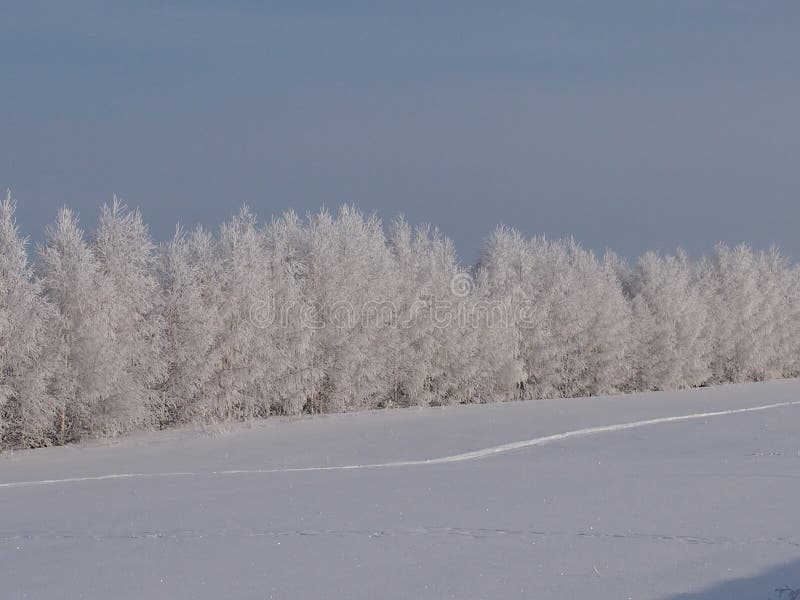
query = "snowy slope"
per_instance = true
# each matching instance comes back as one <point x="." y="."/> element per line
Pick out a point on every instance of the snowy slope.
<point x="705" y="505"/>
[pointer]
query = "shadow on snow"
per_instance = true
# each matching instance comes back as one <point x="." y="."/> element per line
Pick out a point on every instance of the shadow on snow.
<point x="778" y="583"/>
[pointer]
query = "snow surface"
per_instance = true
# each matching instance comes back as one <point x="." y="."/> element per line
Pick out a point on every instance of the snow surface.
<point x="488" y="501"/>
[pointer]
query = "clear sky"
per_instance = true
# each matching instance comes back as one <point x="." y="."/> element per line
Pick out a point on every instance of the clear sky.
<point x="630" y="125"/>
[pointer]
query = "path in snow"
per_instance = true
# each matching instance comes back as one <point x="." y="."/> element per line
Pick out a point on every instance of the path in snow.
<point x="464" y="456"/>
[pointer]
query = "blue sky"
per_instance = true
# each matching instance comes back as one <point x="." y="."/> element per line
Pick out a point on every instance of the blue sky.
<point x="630" y="125"/>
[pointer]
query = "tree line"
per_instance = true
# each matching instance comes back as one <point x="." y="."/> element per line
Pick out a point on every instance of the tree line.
<point x="106" y="333"/>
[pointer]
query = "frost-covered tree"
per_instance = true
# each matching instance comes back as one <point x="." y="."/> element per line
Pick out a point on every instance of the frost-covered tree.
<point x="591" y="321"/>
<point x="572" y="317"/>
<point x="497" y="326"/>
<point x="447" y="341"/>
<point x="351" y="286"/>
<point x="788" y="335"/>
<point x="510" y="278"/>
<point x="293" y="375"/>
<point x="261" y="353"/>
<point x="87" y="365"/>
<point x="126" y="257"/>
<point x="746" y="295"/>
<point x="241" y="350"/>
<point x="670" y="324"/>
<point x="780" y="307"/>
<point x="192" y="324"/>
<point x="27" y="411"/>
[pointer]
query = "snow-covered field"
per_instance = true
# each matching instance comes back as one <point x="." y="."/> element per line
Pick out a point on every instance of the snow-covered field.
<point x="702" y="507"/>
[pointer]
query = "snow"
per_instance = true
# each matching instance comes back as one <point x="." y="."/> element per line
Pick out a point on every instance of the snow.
<point x="704" y="505"/>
